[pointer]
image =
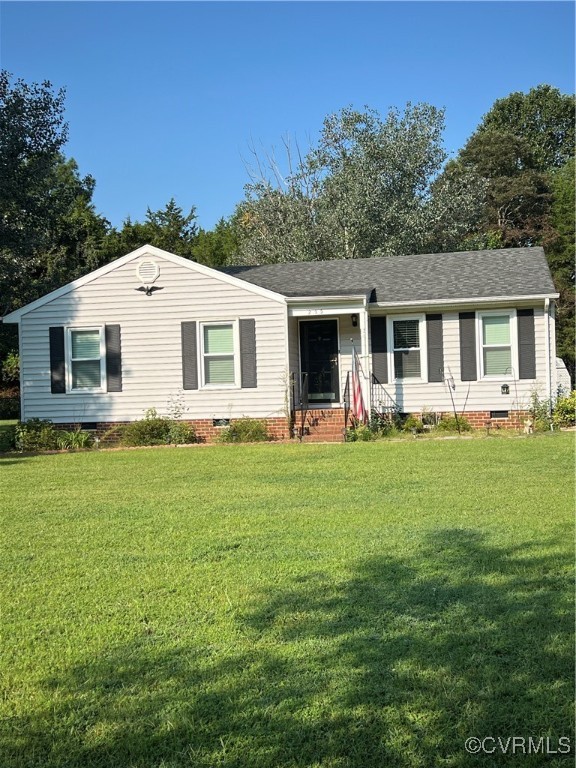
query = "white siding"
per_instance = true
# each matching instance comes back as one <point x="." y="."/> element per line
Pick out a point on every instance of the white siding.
<point x="482" y="395"/>
<point x="151" y="346"/>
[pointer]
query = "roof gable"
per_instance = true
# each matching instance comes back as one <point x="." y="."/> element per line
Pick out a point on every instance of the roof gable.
<point x="145" y="250"/>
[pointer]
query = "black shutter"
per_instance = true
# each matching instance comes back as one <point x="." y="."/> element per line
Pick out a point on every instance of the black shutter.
<point x="248" y="353"/>
<point x="379" y="349"/>
<point x="57" y="361"/>
<point x="468" y="346"/>
<point x="526" y="344"/>
<point x="435" y="347"/>
<point x="189" y="356"/>
<point x="113" y="358"/>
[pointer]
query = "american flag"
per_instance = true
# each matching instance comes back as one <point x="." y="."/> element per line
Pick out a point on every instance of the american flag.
<point x="357" y="405"/>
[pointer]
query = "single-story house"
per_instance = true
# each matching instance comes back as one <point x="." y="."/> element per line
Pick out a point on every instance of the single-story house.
<point x="471" y="330"/>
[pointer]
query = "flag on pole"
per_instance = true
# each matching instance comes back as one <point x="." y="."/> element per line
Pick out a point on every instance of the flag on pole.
<point x="357" y="404"/>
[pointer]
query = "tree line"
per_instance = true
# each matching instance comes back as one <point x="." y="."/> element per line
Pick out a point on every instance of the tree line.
<point x="371" y="185"/>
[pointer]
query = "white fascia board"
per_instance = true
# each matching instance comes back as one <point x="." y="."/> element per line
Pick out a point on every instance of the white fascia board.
<point x="448" y="303"/>
<point x="318" y="305"/>
<point x="145" y="250"/>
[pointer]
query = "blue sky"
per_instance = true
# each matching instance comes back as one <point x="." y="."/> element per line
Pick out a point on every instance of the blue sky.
<point x="165" y="99"/>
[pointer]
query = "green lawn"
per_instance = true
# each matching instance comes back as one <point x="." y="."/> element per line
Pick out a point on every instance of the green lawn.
<point x="330" y="606"/>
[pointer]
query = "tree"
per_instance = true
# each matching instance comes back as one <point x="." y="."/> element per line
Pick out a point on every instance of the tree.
<point x="560" y="245"/>
<point x="518" y="195"/>
<point x="543" y="118"/>
<point x="49" y="231"/>
<point x="216" y="247"/>
<point x="524" y="148"/>
<point x="366" y="189"/>
<point x="168" y="228"/>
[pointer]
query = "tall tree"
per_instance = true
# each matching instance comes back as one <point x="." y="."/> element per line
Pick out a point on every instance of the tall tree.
<point x="543" y="118"/>
<point x="216" y="247"/>
<point x="367" y="188"/>
<point x="524" y="148"/>
<point x="167" y="228"/>
<point x="560" y="245"/>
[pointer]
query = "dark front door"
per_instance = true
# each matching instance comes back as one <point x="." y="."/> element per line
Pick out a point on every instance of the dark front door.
<point x="319" y="359"/>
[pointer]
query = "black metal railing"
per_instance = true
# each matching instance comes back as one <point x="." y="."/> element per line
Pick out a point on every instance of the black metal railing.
<point x="299" y="405"/>
<point x="381" y="400"/>
<point x="346" y="399"/>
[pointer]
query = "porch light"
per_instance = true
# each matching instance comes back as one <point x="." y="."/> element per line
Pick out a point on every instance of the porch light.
<point x="505" y="389"/>
<point x="354" y="319"/>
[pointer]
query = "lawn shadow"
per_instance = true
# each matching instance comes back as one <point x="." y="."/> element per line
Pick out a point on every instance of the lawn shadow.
<point x="395" y="665"/>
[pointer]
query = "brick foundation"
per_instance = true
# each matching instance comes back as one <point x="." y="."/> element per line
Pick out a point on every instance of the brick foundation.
<point x="320" y="425"/>
<point x="482" y="419"/>
<point x="206" y="432"/>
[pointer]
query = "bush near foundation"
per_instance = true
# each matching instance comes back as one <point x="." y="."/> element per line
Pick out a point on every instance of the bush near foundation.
<point x="245" y="430"/>
<point x="565" y="411"/>
<point x="156" y="430"/>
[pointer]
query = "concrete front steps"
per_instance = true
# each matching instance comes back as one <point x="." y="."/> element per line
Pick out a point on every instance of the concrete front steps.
<point x="322" y="425"/>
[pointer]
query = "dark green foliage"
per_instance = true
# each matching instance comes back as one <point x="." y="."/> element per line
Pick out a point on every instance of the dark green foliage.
<point x="543" y="118"/>
<point x="560" y="247"/>
<point x="36" y="435"/>
<point x="218" y="247"/>
<point x="7" y="437"/>
<point x="168" y="228"/>
<point x="156" y="430"/>
<point x="9" y="403"/>
<point x="245" y="430"/>
<point x="49" y="232"/>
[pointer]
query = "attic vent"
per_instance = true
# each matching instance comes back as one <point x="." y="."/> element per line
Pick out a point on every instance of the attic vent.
<point x="147" y="271"/>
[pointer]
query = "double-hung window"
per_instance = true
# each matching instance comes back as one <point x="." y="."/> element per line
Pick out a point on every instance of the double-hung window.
<point x="219" y="354"/>
<point x="496" y="345"/>
<point x="86" y="359"/>
<point x="407" y="348"/>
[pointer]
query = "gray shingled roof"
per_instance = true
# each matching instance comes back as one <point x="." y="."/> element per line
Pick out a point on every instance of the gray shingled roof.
<point x="423" y="277"/>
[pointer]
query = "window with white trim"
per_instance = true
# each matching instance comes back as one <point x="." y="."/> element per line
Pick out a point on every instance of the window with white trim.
<point x="86" y="359"/>
<point x="496" y="345"/>
<point x="219" y="365"/>
<point x="406" y="348"/>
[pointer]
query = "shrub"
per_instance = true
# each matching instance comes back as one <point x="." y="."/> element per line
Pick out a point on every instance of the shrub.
<point x="7" y="438"/>
<point x="75" y="439"/>
<point x="540" y="413"/>
<point x="363" y="433"/>
<point x="565" y="411"/>
<point x="36" y="435"/>
<point x="181" y="433"/>
<point x="9" y="403"/>
<point x="154" y="430"/>
<point x="245" y="430"/>
<point x="151" y="430"/>
<point x="11" y="367"/>
<point x="413" y="424"/>
<point x="449" y="424"/>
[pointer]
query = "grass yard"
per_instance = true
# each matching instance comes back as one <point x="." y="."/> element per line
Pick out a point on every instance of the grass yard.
<point x="279" y="606"/>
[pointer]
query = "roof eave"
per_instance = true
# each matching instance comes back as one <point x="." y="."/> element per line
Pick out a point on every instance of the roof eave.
<point x="465" y="300"/>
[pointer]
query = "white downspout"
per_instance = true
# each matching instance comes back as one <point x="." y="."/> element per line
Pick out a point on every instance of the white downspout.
<point x="548" y="361"/>
<point x="365" y="357"/>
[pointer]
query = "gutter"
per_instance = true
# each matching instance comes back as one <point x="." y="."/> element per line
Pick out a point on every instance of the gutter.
<point x="548" y="360"/>
<point x="458" y="302"/>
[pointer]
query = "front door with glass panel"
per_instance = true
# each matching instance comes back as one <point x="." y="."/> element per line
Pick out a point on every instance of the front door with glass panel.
<point x="319" y="359"/>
